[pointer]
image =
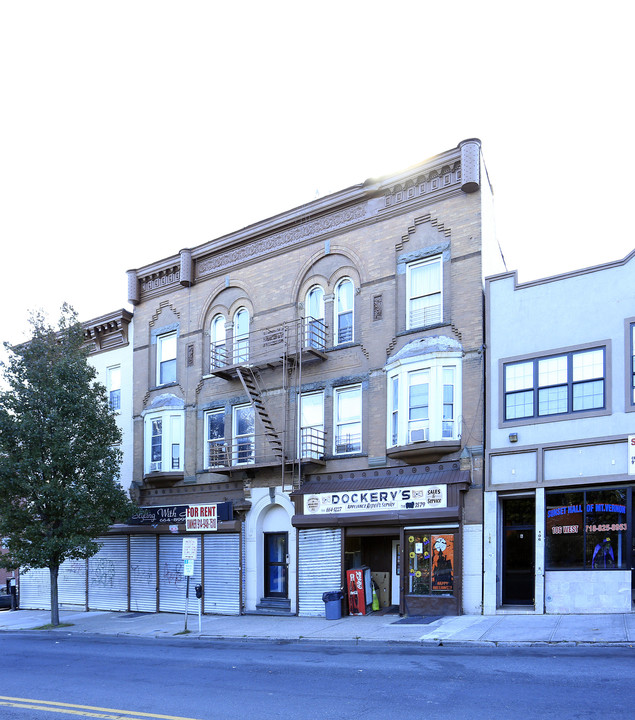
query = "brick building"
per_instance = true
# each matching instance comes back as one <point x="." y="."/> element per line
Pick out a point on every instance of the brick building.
<point x="320" y="374"/>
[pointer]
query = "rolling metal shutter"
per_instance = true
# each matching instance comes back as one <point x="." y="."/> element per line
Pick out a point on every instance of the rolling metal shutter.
<point x="319" y="567"/>
<point x="172" y="582"/>
<point x="35" y="589"/>
<point x="222" y="574"/>
<point x="143" y="573"/>
<point x="108" y="575"/>
<point x="71" y="584"/>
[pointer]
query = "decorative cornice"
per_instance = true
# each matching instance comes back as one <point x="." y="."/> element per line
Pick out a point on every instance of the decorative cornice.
<point x="156" y="283"/>
<point x="107" y="332"/>
<point x="440" y="178"/>
<point x="279" y="241"/>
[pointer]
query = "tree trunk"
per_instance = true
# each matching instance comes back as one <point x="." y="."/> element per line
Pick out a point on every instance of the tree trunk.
<point x="55" y="610"/>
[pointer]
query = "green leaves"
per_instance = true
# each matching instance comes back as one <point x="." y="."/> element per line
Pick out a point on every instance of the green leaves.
<point x="59" y="461"/>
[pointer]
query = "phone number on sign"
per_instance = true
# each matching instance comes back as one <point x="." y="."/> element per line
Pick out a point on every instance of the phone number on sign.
<point x="606" y="528"/>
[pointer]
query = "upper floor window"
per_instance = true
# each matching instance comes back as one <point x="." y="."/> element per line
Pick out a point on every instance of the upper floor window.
<point x="244" y="439"/>
<point x="344" y="311"/>
<point x="114" y="387"/>
<point x="218" y="352"/>
<point x="567" y="383"/>
<point x="164" y="441"/>
<point x="311" y="440"/>
<point x="314" y="307"/>
<point x="424" y="289"/>
<point x="424" y="400"/>
<point x="166" y="358"/>
<point x="348" y="419"/>
<point x="241" y="336"/>
<point x="215" y="446"/>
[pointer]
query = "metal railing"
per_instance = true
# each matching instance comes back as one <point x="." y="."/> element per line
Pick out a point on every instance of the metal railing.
<point x="271" y="343"/>
<point x="240" y="452"/>
<point x="312" y="443"/>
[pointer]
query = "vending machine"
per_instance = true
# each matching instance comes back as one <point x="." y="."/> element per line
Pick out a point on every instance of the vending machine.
<point x="360" y="590"/>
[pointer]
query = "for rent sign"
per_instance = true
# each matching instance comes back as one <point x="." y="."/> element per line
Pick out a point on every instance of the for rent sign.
<point x="201" y="517"/>
<point x="418" y="497"/>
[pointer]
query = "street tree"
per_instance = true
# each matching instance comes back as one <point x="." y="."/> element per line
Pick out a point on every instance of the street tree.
<point x="59" y="454"/>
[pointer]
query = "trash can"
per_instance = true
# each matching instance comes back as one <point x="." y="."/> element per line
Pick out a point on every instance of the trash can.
<point x="333" y="604"/>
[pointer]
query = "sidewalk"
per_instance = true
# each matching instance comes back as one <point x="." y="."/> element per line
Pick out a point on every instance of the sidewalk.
<point x="477" y="630"/>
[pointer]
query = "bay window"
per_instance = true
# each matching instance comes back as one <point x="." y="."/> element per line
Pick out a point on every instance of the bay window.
<point x="164" y="441"/>
<point x="424" y="399"/>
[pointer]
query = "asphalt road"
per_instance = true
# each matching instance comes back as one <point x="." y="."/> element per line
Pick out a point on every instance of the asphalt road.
<point x="43" y="674"/>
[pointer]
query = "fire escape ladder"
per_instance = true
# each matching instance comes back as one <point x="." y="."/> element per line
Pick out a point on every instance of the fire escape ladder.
<point x="248" y="380"/>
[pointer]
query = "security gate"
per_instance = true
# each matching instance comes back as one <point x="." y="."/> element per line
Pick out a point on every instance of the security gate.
<point x="143" y="573"/>
<point x="222" y="574"/>
<point x="172" y="581"/>
<point x="108" y="575"/>
<point x="319" y="567"/>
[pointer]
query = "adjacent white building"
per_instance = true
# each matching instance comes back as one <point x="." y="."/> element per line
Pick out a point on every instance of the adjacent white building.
<point x="560" y="389"/>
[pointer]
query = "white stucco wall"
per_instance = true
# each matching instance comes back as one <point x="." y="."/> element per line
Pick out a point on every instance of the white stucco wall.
<point x="101" y="362"/>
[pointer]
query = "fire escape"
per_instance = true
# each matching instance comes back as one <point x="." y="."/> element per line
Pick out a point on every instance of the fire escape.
<point x="284" y="443"/>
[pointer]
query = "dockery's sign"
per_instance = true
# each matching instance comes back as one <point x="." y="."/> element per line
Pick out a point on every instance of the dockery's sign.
<point x="417" y="497"/>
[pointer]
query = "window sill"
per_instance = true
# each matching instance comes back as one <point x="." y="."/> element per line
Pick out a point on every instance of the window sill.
<point x="163" y="479"/>
<point x="429" y="451"/>
<point x="420" y="328"/>
<point x="162" y="387"/>
<point x="343" y="346"/>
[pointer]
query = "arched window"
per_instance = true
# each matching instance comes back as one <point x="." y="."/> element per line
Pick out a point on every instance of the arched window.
<point x="241" y="336"/>
<point x="218" y="356"/>
<point x="344" y="295"/>
<point x="315" y="327"/>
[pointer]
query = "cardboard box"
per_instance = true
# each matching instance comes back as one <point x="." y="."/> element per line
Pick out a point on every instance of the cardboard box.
<point x="382" y="580"/>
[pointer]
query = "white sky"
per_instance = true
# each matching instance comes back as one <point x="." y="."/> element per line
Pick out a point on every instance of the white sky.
<point x="131" y="129"/>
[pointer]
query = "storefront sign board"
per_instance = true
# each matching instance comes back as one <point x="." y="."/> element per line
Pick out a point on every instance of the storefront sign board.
<point x="416" y="497"/>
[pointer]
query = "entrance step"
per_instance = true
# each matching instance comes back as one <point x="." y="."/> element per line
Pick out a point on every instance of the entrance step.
<point x="273" y="606"/>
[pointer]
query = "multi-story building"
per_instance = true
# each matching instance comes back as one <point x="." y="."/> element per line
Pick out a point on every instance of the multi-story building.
<point x="560" y="409"/>
<point x="319" y="374"/>
<point x="100" y="582"/>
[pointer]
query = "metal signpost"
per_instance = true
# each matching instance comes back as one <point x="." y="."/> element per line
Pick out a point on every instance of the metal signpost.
<point x="190" y="547"/>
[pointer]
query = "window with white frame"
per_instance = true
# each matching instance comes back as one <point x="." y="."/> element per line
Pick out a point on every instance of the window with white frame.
<point x="218" y="350"/>
<point x="113" y="387"/>
<point x="216" y="452"/>
<point x="424" y="400"/>
<point x="344" y="311"/>
<point x="314" y="308"/>
<point x="555" y="385"/>
<point x="164" y="441"/>
<point x="424" y="290"/>
<point x="347" y="423"/>
<point x="166" y="358"/>
<point x="311" y="440"/>
<point x="244" y="439"/>
<point x="241" y="336"/>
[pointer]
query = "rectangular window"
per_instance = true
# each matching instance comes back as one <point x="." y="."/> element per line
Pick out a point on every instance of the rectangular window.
<point x="114" y="387"/>
<point x="418" y="406"/>
<point x="394" y="404"/>
<point x="567" y="383"/>
<point x="424" y="289"/>
<point x="156" y="445"/>
<point x="348" y="420"/>
<point x="215" y="445"/>
<point x="166" y="358"/>
<point x="586" y="530"/>
<point x="312" y="436"/>
<point x="243" y="449"/>
<point x="447" y="429"/>
<point x="430" y="562"/>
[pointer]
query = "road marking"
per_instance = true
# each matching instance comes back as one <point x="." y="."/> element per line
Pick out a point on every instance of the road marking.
<point x="70" y="709"/>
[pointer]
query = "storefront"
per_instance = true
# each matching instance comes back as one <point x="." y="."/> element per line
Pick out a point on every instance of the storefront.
<point x="140" y="568"/>
<point x="402" y="524"/>
<point x="563" y="549"/>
